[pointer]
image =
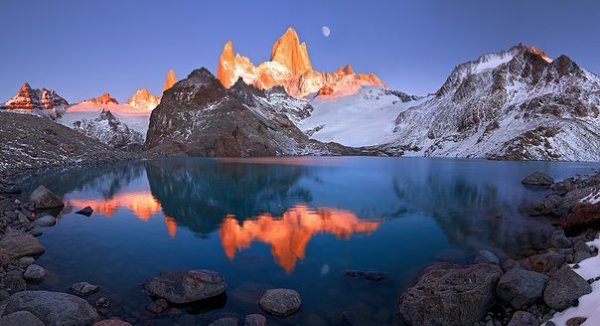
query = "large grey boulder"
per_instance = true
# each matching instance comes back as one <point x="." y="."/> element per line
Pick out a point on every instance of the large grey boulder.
<point x="44" y="199"/>
<point x="53" y="308"/>
<point x="564" y="289"/>
<point x="450" y="294"/>
<point x="519" y="287"/>
<point x="280" y="302"/>
<point x="23" y="318"/>
<point x="20" y="244"/>
<point x="181" y="287"/>
<point x="538" y="179"/>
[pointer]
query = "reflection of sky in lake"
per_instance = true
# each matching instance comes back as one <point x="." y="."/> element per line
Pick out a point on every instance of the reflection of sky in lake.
<point x="290" y="222"/>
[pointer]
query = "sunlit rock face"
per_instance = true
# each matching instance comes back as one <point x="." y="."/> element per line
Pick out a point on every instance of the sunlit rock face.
<point x="104" y="99"/>
<point x="170" y="80"/>
<point x="29" y="99"/>
<point x="289" y="234"/>
<point x="143" y="100"/>
<point x="290" y="67"/>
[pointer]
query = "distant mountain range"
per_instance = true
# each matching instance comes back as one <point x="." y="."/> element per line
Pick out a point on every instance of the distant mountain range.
<point x="517" y="104"/>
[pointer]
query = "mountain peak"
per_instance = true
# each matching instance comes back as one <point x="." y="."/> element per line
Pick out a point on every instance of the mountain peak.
<point x="539" y="52"/>
<point x="28" y="98"/>
<point x="290" y="53"/>
<point x="170" y="80"/>
<point x="143" y="100"/>
<point x="103" y="99"/>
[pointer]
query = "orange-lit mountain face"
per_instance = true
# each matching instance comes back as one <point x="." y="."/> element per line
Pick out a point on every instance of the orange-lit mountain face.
<point x="170" y="80"/>
<point x="103" y="99"/>
<point x="290" y="234"/>
<point x="291" y="68"/>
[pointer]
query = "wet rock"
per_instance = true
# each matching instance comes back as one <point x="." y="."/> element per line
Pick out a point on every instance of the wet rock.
<point x="520" y="288"/>
<point x="26" y="261"/>
<point x="13" y="282"/>
<point x="46" y="221"/>
<point x="183" y="287"/>
<point x="20" y="244"/>
<point x="255" y="320"/>
<point x="564" y="289"/>
<point x="53" y="308"/>
<point x="112" y="322"/>
<point x="23" y="318"/>
<point x="523" y="318"/>
<point x="576" y="321"/>
<point x="538" y="179"/>
<point x="450" y="294"/>
<point x="84" y="288"/>
<point x="280" y="302"/>
<point x="546" y="263"/>
<point x="44" y="199"/>
<point x="35" y="273"/>
<point x="560" y="240"/>
<point x="580" y="245"/>
<point x="158" y="306"/>
<point x="369" y="275"/>
<point x="87" y="211"/>
<point x="486" y="256"/>
<point x="226" y="321"/>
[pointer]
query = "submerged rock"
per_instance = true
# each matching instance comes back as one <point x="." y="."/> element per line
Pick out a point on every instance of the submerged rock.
<point x="255" y="320"/>
<point x="226" y="321"/>
<point x="44" y="198"/>
<point x="158" y="306"/>
<point x="181" y="287"/>
<point x="84" y="288"/>
<point x="35" y="273"/>
<point x="369" y="275"/>
<point x="450" y="294"/>
<point x="45" y="221"/>
<point x="538" y="179"/>
<point x="486" y="256"/>
<point x="280" y="302"/>
<point x="564" y="289"/>
<point x="519" y="287"/>
<point x="23" y="318"/>
<point x="112" y="322"/>
<point x="53" y="308"/>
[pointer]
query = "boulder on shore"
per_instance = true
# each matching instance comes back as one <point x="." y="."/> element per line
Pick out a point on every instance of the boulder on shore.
<point x="53" y="308"/>
<point x="538" y="179"/>
<point x="44" y="198"/>
<point x="17" y="245"/>
<point x="182" y="287"/>
<point x="280" y="302"/>
<point x="450" y="294"/>
<point x="584" y="215"/>
<point x="520" y="287"/>
<point x="24" y="318"/>
<point x="564" y="289"/>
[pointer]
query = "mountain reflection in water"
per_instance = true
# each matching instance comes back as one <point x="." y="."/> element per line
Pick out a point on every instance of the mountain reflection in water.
<point x="290" y="234"/>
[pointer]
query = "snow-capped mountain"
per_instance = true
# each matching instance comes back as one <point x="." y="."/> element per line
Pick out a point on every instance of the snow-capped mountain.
<point x="290" y="67"/>
<point x="363" y="119"/>
<point x="198" y="116"/>
<point x="46" y="103"/>
<point x="517" y="104"/>
<point x="109" y="130"/>
<point x="103" y="99"/>
<point x="143" y="100"/>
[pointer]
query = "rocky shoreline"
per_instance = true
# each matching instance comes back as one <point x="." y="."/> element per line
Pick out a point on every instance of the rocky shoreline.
<point x="527" y="290"/>
<point x="524" y="290"/>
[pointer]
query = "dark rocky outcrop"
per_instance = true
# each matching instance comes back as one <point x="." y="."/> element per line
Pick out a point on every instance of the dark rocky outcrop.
<point x="450" y="294"/>
<point x="200" y="117"/>
<point x="520" y="288"/>
<point x="538" y="179"/>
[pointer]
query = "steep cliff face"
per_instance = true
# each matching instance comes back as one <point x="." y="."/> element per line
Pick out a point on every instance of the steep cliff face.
<point x="170" y="80"/>
<point x="35" y="101"/>
<point x="200" y="117"/>
<point x="290" y="67"/>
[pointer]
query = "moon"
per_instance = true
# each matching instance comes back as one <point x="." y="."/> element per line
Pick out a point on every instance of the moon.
<point x="326" y="31"/>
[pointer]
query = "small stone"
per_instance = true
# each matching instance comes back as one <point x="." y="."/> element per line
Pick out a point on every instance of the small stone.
<point x="576" y="321"/>
<point x="581" y="246"/>
<point x="44" y="198"/>
<point x="84" y="288"/>
<point x="45" y="221"/>
<point x="280" y="302"/>
<point x="523" y="318"/>
<point x="486" y="256"/>
<point x="87" y="211"/>
<point x="226" y="321"/>
<point x="188" y="286"/>
<point x="369" y="275"/>
<point x="102" y="302"/>
<point x="538" y="179"/>
<point x="157" y="306"/>
<point x="580" y="256"/>
<point x="26" y="261"/>
<point x="112" y="322"/>
<point x="255" y="320"/>
<point x="35" y="273"/>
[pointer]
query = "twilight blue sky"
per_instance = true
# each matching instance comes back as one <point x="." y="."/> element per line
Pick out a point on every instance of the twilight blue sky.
<point x="83" y="48"/>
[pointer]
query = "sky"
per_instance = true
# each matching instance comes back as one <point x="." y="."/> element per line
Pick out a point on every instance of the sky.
<point x="85" y="48"/>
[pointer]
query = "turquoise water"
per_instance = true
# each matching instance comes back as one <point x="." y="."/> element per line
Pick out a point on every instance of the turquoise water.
<point x="287" y="222"/>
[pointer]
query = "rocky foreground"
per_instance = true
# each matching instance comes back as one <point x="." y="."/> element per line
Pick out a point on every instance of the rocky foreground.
<point x="516" y="291"/>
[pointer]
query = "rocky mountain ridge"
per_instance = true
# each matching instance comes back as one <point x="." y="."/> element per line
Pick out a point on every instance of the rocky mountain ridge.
<point x="38" y="101"/>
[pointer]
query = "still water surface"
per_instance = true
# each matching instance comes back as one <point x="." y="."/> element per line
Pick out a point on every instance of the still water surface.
<point x="286" y="222"/>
